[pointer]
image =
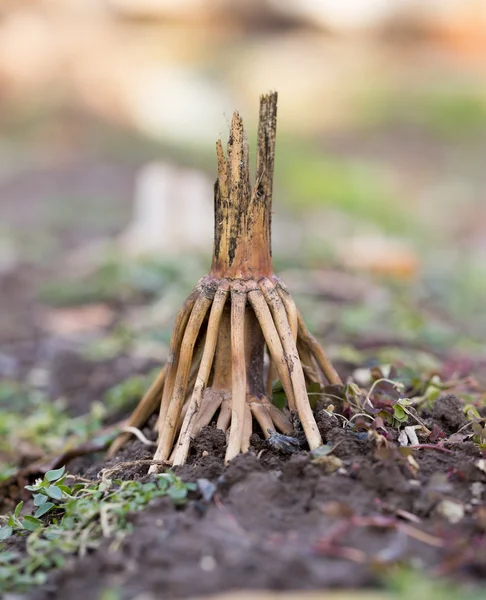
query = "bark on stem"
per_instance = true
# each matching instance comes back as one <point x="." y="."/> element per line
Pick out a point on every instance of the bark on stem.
<point x="242" y="215"/>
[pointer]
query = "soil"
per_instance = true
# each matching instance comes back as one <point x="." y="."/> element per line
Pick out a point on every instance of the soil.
<point x="275" y="521"/>
<point x="284" y="522"/>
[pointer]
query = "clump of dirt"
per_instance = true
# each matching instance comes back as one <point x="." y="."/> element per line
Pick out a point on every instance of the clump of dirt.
<point x="283" y="521"/>
<point x="448" y="414"/>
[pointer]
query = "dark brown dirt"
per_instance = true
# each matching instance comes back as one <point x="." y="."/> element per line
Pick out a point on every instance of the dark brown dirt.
<point x="283" y="522"/>
<point x="275" y="521"/>
<point x="448" y="414"/>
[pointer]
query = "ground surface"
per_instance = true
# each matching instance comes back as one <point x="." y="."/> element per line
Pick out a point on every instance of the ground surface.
<point x="352" y="519"/>
<point x="282" y="522"/>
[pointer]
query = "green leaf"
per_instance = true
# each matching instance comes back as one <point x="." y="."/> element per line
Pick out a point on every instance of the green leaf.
<point x="52" y="535"/>
<point x="8" y="557"/>
<point x="31" y="523"/>
<point x="82" y="506"/>
<point x="18" y="509"/>
<point x="39" y="499"/>
<point x="399" y="413"/>
<point x="55" y="474"/>
<point x="323" y="450"/>
<point x="5" y="532"/>
<point x="354" y="389"/>
<point x="477" y="428"/>
<point x="432" y="393"/>
<point x="54" y="492"/>
<point x="12" y="521"/>
<point x="405" y="402"/>
<point x="77" y="487"/>
<point x="176" y="494"/>
<point x="314" y="388"/>
<point x="5" y="573"/>
<point x="163" y="482"/>
<point x="472" y="412"/>
<point x="45" y="508"/>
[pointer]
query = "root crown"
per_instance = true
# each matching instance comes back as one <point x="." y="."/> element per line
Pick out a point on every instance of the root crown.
<point x="239" y="330"/>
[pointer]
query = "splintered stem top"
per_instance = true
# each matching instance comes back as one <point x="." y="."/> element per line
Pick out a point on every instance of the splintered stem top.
<point x="242" y="214"/>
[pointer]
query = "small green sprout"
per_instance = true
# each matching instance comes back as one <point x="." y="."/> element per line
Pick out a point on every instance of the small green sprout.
<point x="73" y="519"/>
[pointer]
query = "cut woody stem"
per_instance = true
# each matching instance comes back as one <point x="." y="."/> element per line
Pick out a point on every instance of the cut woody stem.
<point x="235" y="316"/>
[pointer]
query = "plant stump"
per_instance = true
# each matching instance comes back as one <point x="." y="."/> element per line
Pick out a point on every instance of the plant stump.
<point x="239" y="330"/>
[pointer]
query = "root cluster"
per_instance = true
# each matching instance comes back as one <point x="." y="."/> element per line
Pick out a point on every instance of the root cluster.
<point x="214" y="328"/>
<point x="239" y="330"/>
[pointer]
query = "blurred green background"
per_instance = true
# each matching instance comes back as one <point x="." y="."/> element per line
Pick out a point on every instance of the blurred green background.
<point x="110" y="110"/>
<point x="109" y="115"/>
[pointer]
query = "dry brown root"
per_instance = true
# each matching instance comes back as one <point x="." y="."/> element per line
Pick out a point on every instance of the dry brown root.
<point x="238" y="391"/>
<point x="149" y="405"/>
<point x="170" y="416"/>
<point x="236" y="408"/>
<point x="296" y="372"/>
<point x="306" y="338"/>
<point x="235" y="316"/>
<point x="202" y="377"/>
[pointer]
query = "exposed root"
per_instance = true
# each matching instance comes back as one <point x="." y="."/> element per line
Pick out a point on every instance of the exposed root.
<point x="295" y="362"/>
<point x="168" y="421"/>
<point x="272" y="375"/>
<point x="175" y="347"/>
<point x="295" y="367"/>
<point x="235" y="316"/>
<point x="138" y="434"/>
<point x="311" y="370"/>
<point x="274" y="344"/>
<point x="238" y="392"/>
<point x="224" y="418"/>
<point x="149" y="404"/>
<point x="269" y="416"/>
<point x="318" y="353"/>
<point x="247" y="430"/>
<point x="219" y="302"/>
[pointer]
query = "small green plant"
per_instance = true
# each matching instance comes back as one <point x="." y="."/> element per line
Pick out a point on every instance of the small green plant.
<point x="405" y="583"/>
<point x="72" y="519"/>
<point x="384" y="400"/>
<point x="28" y="416"/>
<point x="477" y="424"/>
<point x="113" y="280"/>
<point x="121" y="396"/>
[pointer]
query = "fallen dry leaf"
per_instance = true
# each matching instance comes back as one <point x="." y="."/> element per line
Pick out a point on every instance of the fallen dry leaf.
<point x="450" y="509"/>
<point x="328" y="463"/>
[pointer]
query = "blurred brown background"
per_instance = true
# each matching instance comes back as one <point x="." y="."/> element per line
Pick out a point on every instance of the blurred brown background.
<point x="109" y="114"/>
